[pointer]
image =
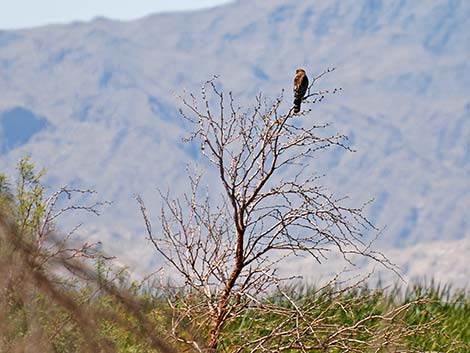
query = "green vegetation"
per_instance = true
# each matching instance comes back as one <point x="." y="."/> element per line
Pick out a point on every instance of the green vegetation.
<point x="446" y="316"/>
<point x="442" y="313"/>
<point x="99" y="309"/>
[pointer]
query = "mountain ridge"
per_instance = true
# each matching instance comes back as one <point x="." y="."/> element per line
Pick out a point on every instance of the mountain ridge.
<point x="107" y="90"/>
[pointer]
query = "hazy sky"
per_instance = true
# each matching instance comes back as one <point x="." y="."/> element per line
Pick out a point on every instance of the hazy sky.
<point x="29" y="13"/>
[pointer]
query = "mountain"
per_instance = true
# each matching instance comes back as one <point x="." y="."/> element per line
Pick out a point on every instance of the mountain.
<point x="96" y="104"/>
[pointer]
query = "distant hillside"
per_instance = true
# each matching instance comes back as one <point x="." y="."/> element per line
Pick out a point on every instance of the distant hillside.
<point x="97" y="102"/>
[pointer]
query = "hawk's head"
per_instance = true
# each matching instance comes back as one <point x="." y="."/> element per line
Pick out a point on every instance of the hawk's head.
<point x="300" y="70"/>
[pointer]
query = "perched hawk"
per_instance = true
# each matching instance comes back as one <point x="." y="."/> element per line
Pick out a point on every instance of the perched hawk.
<point x="300" y="88"/>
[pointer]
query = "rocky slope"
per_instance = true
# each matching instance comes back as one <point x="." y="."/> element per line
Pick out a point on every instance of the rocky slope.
<point x="95" y="104"/>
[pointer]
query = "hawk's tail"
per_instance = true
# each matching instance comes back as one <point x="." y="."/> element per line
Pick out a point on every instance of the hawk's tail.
<point x="297" y="103"/>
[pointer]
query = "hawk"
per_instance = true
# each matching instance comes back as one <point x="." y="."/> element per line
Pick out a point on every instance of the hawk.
<point x="300" y="88"/>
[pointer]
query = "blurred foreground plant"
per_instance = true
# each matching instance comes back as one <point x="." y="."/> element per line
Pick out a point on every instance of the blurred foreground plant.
<point x="51" y="299"/>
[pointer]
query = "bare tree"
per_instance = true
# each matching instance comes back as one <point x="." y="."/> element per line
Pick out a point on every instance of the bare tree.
<point x="228" y="249"/>
<point x="36" y="215"/>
